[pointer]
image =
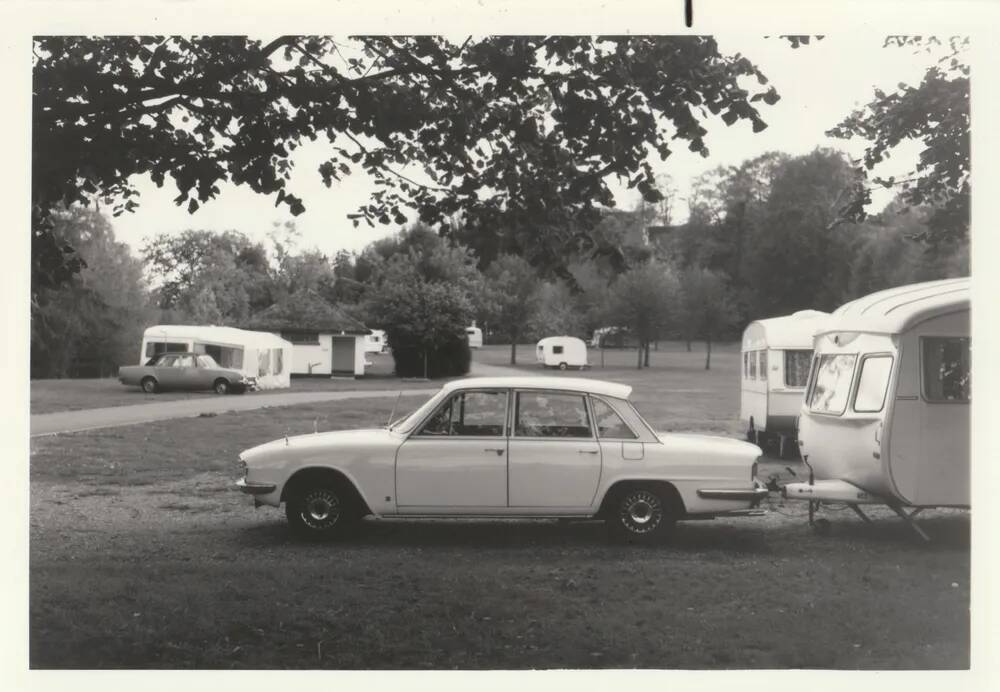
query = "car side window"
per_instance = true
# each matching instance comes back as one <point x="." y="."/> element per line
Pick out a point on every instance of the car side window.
<point x="184" y="362"/>
<point x="551" y="414"/>
<point x="609" y="424"/>
<point x="470" y="414"/>
<point x="166" y="361"/>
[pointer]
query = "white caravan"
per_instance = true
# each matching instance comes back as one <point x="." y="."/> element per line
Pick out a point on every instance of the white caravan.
<point x="475" y="335"/>
<point x="776" y="354"/>
<point x="261" y="356"/>
<point x="562" y="352"/>
<point x="885" y="418"/>
<point x="375" y="342"/>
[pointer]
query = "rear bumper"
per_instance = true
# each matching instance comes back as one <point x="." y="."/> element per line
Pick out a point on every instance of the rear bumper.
<point x="752" y="495"/>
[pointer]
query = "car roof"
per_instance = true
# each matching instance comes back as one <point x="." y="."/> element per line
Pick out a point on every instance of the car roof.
<point x="573" y="384"/>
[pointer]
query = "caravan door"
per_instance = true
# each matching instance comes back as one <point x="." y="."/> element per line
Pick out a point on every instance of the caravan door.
<point x="930" y="438"/>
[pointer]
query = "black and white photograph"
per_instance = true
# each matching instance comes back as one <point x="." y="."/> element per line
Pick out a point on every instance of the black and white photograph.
<point x="514" y="345"/>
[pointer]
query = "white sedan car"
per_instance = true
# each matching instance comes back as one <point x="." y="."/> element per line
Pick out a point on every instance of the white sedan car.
<point x="511" y="447"/>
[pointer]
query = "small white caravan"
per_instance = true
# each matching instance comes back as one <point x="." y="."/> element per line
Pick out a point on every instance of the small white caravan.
<point x="475" y="335"/>
<point x="885" y="418"/>
<point x="259" y="355"/>
<point x="375" y="342"/>
<point x="562" y="352"/>
<point x="776" y="354"/>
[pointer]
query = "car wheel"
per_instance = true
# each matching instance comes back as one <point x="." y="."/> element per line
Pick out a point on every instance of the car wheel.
<point x="148" y="385"/>
<point x="221" y="386"/>
<point x="562" y="366"/>
<point x="320" y="512"/>
<point x="640" y="515"/>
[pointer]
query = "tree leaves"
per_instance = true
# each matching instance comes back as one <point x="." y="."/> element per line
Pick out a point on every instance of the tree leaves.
<point x="935" y="112"/>
<point x="536" y="123"/>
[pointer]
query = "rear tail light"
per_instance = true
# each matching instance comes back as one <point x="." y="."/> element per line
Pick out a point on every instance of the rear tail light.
<point x="753" y="471"/>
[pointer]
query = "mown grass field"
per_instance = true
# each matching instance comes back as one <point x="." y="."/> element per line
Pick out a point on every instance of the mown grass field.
<point x="143" y="555"/>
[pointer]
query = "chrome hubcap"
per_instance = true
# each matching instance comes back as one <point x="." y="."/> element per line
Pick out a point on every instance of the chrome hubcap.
<point x="641" y="511"/>
<point x="321" y="508"/>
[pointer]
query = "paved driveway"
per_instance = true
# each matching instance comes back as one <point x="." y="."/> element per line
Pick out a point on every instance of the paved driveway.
<point x="113" y="416"/>
<point x="90" y="419"/>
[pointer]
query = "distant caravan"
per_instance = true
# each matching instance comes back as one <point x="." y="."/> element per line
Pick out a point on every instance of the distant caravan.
<point x="885" y="418"/>
<point x="475" y="335"/>
<point x="776" y="354"/>
<point x="562" y="352"/>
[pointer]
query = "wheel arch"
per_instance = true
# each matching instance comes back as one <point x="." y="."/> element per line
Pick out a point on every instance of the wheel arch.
<point x="668" y="489"/>
<point x="325" y="473"/>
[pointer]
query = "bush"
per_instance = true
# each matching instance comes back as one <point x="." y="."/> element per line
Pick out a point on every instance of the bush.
<point x="450" y="359"/>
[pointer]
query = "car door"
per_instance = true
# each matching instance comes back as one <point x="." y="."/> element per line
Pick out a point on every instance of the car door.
<point x="555" y="460"/>
<point x="186" y="373"/>
<point x="166" y="374"/>
<point x="456" y="461"/>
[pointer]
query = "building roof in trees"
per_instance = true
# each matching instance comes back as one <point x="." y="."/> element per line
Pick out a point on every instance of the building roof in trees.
<point x="306" y="311"/>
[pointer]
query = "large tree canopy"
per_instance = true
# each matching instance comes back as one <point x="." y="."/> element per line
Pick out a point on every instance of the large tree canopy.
<point x="936" y="113"/>
<point x="500" y="130"/>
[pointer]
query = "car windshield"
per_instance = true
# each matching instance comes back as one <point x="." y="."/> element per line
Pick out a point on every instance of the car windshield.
<point x="206" y="361"/>
<point x="407" y="422"/>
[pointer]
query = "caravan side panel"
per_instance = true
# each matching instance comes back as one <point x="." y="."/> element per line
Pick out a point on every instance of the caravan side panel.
<point x="929" y="435"/>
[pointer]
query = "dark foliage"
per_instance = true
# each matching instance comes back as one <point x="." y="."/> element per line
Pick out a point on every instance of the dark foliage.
<point x="450" y="358"/>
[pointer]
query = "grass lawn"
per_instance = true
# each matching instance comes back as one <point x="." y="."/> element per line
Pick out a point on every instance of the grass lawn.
<point x="143" y="555"/>
<point x="675" y="393"/>
<point x="49" y="396"/>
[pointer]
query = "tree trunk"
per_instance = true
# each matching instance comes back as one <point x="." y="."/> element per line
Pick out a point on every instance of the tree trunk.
<point x="602" y="354"/>
<point x="646" y="363"/>
<point x="425" y="363"/>
<point x="638" y="361"/>
<point x="708" y="353"/>
<point x="513" y="350"/>
<point x="688" y="342"/>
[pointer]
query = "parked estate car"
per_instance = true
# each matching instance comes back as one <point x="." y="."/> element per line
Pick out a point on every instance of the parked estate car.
<point x="184" y="371"/>
<point x="508" y="447"/>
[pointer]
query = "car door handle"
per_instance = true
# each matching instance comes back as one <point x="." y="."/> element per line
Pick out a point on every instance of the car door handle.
<point x="587" y="451"/>
<point x="498" y="450"/>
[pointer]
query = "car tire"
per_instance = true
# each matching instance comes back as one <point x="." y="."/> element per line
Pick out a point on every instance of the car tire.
<point x="321" y="511"/>
<point x="149" y="385"/>
<point x="640" y="514"/>
<point x="221" y="386"/>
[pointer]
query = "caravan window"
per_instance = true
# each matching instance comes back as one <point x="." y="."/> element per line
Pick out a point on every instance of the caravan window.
<point x="557" y="350"/>
<point x="872" y="384"/>
<point x="947" y="372"/>
<point x="763" y="365"/>
<point x="263" y="362"/>
<point x="154" y="348"/>
<point x="279" y="361"/>
<point x="832" y="384"/>
<point x="797" y="368"/>
<point x="746" y="364"/>
<point x="753" y="365"/>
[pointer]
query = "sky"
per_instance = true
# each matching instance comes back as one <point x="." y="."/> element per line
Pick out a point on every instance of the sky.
<point x="819" y="85"/>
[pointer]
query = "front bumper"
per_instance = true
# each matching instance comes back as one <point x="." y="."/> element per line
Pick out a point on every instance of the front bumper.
<point x="255" y="488"/>
<point x="753" y="495"/>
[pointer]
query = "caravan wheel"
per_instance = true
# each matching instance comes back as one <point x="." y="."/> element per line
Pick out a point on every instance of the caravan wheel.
<point x="562" y="366"/>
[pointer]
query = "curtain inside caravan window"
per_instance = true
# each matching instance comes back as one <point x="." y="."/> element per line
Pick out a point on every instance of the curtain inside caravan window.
<point x="797" y="368"/>
<point x="947" y="371"/>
